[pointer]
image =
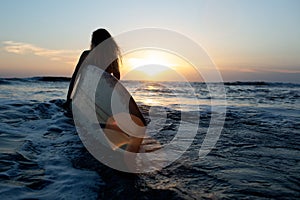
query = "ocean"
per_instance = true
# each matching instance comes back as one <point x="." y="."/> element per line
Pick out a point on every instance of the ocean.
<point x="256" y="157"/>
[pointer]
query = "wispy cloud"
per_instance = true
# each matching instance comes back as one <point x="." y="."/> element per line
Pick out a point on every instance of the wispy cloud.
<point x="264" y="69"/>
<point x="67" y="56"/>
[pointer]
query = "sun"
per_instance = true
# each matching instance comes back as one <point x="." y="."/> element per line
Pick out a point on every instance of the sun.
<point x="156" y="65"/>
<point x="148" y="62"/>
<point x="149" y="66"/>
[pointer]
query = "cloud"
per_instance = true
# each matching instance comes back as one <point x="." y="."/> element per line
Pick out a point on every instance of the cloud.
<point x="67" y="56"/>
<point x="284" y="71"/>
<point x="264" y="69"/>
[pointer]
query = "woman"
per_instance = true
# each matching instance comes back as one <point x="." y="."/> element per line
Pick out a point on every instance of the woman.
<point x="112" y="51"/>
<point x="106" y="56"/>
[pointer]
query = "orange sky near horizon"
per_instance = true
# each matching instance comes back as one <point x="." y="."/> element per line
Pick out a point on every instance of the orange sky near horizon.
<point x="141" y="65"/>
<point x="27" y="60"/>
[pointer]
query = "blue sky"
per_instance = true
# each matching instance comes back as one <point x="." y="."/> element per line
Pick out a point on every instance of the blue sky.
<point x="247" y="39"/>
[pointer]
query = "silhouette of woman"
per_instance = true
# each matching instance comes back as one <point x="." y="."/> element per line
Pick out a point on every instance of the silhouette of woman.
<point x="106" y="56"/>
<point x="98" y="37"/>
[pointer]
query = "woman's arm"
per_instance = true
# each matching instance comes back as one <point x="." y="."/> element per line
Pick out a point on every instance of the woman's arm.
<point x="116" y="70"/>
<point x="116" y="73"/>
<point x="72" y="82"/>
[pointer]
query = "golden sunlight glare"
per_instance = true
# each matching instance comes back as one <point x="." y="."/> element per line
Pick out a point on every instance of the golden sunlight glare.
<point x="151" y="62"/>
<point x="155" y="65"/>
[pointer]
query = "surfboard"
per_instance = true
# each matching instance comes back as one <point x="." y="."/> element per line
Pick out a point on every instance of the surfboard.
<point x="116" y="111"/>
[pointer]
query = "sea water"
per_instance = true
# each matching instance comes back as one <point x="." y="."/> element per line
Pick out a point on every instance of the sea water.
<point x="256" y="157"/>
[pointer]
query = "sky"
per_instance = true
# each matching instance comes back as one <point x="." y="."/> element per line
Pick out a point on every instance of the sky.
<point x="248" y="40"/>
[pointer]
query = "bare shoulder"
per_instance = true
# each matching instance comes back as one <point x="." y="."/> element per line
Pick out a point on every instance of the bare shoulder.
<point x="83" y="56"/>
<point x="85" y="53"/>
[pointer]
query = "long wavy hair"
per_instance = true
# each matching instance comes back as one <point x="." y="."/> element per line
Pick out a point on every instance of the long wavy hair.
<point x="105" y="52"/>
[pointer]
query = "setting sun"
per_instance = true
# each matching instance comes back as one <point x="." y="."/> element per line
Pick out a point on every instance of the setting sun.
<point x="155" y="65"/>
<point x="148" y="66"/>
<point x="150" y="62"/>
